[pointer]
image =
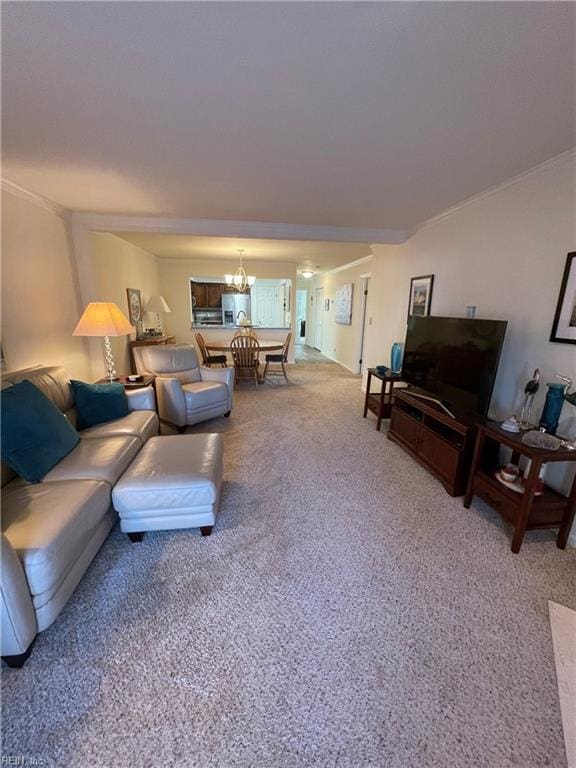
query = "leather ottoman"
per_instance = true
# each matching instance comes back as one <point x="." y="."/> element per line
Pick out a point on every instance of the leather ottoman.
<point x="174" y="482"/>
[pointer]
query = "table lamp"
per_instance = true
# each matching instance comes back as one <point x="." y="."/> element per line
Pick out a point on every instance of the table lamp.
<point x="102" y="318"/>
<point x="158" y="305"/>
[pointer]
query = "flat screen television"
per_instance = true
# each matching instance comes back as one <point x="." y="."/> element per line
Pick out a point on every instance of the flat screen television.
<point x="454" y="360"/>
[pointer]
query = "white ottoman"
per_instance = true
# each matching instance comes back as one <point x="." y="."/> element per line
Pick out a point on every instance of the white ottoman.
<point x="174" y="482"/>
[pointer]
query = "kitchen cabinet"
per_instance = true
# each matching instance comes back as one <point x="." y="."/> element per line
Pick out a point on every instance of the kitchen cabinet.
<point x="198" y="294"/>
<point x="214" y="295"/>
<point x="207" y="295"/>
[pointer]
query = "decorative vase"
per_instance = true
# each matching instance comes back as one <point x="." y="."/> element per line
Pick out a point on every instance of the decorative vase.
<point x="396" y="357"/>
<point x="552" y="407"/>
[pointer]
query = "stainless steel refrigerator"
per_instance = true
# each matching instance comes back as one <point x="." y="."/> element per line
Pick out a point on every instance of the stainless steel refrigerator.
<point x="232" y="305"/>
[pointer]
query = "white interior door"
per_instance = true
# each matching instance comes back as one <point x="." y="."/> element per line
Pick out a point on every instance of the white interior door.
<point x="318" y="318"/>
<point x="266" y="307"/>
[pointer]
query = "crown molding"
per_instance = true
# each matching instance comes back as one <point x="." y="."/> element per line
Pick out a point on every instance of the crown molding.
<point x="32" y="197"/>
<point x="570" y="154"/>
<point x="342" y="268"/>
<point x="241" y="229"/>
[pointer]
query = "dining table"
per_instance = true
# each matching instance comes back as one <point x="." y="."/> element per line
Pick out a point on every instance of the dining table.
<point x="266" y="345"/>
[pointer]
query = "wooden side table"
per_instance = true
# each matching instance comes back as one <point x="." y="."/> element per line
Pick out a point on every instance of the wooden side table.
<point x="527" y="510"/>
<point x="149" y="341"/>
<point x="147" y="381"/>
<point x="380" y="403"/>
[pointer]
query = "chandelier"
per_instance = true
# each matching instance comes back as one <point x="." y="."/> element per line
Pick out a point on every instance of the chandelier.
<point x="240" y="280"/>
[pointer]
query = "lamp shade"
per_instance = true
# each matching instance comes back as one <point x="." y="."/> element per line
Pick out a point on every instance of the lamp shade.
<point x="102" y="318"/>
<point x="156" y="304"/>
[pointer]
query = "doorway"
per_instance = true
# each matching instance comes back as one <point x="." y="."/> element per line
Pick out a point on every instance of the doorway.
<point x="363" y="325"/>
<point x="301" y="302"/>
<point x="318" y="318"/>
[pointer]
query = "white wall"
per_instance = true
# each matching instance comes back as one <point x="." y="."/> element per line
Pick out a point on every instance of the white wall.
<point x="40" y="297"/>
<point x="118" y="265"/>
<point x="505" y="253"/>
<point x="339" y="342"/>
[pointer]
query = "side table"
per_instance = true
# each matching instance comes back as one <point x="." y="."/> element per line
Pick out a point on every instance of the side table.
<point x="380" y="403"/>
<point x="524" y="510"/>
<point x="147" y="381"/>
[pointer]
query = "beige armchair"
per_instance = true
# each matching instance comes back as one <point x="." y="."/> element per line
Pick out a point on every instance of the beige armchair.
<point x="187" y="392"/>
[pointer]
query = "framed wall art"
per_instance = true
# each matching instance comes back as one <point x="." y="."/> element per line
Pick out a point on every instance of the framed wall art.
<point x="134" y="305"/>
<point x="343" y="314"/>
<point x="564" y="325"/>
<point x="420" y="295"/>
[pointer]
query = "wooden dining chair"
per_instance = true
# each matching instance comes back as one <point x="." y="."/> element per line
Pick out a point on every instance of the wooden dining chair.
<point x="278" y="358"/>
<point x="245" y="351"/>
<point x="207" y="359"/>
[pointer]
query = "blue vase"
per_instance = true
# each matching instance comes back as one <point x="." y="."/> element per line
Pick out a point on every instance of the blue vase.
<point x="552" y="407"/>
<point x="396" y="357"/>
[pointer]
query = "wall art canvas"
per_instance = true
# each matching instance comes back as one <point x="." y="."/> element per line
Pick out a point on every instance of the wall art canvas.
<point x="564" y="325"/>
<point x="134" y="306"/>
<point x="420" y="295"/>
<point x="343" y="313"/>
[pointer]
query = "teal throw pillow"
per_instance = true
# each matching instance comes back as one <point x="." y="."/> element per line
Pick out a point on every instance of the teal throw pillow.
<point x="35" y="434"/>
<point x="97" y="403"/>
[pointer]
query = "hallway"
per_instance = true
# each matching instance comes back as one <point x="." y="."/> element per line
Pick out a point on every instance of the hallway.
<point x="303" y="353"/>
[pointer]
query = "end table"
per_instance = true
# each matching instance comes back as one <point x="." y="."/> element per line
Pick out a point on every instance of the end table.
<point x="527" y="509"/>
<point x="380" y="403"/>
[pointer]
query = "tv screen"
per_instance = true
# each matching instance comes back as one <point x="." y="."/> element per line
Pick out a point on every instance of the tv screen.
<point x="454" y="359"/>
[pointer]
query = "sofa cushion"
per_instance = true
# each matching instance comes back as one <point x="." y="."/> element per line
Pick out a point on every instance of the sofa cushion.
<point x="52" y="380"/>
<point x="203" y="394"/>
<point x="35" y="434"/>
<point x="140" y="424"/>
<point x="98" y="403"/>
<point x="48" y="525"/>
<point x="96" y="459"/>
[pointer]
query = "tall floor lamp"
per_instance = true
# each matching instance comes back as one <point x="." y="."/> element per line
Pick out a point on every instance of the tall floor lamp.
<point x="102" y="318"/>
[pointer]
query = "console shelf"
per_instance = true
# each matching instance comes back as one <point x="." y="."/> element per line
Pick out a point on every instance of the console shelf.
<point x="437" y="441"/>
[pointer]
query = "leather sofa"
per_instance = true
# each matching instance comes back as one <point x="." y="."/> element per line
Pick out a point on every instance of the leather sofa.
<point x="52" y="530"/>
<point x="187" y="392"/>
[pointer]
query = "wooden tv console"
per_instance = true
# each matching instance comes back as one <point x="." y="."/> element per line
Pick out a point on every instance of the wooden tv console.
<point x="437" y="441"/>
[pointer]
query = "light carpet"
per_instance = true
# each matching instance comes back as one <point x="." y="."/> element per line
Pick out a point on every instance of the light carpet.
<point x="345" y="613"/>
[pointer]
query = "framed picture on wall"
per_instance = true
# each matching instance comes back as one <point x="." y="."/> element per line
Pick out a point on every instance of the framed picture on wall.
<point x="564" y="325"/>
<point x="420" y="295"/>
<point x="134" y="306"/>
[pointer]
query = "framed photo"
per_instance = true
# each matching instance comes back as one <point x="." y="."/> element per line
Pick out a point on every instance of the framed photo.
<point x="564" y="325"/>
<point x="343" y="314"/>
<point x="420" y="295"/>
<point x="134" y="306"/>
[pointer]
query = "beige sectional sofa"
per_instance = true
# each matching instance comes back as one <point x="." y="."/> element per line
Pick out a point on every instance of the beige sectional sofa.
<point x="52" y="530"/>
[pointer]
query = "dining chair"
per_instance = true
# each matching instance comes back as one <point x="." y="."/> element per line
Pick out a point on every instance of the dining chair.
<point x="245" y="350"/>
<point x="278" y="358"/>
<point x="207" y="359"/>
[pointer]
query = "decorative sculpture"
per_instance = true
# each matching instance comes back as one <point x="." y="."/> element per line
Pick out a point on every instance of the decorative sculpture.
<point x="570" y="397"/>
<point x="529" y="391"/>
<point x="557" y="393"/>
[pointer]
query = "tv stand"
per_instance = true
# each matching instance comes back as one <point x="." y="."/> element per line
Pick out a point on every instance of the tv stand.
<point x="441" y="443"/>
<point x="434" y="400"/>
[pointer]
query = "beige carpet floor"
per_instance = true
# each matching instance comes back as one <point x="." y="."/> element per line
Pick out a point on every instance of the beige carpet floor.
<point x="345" y="613"/>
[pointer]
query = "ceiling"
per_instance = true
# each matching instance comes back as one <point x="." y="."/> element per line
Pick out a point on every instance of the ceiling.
<point x="317" y="256"/>
<point x="372" y="115"/>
